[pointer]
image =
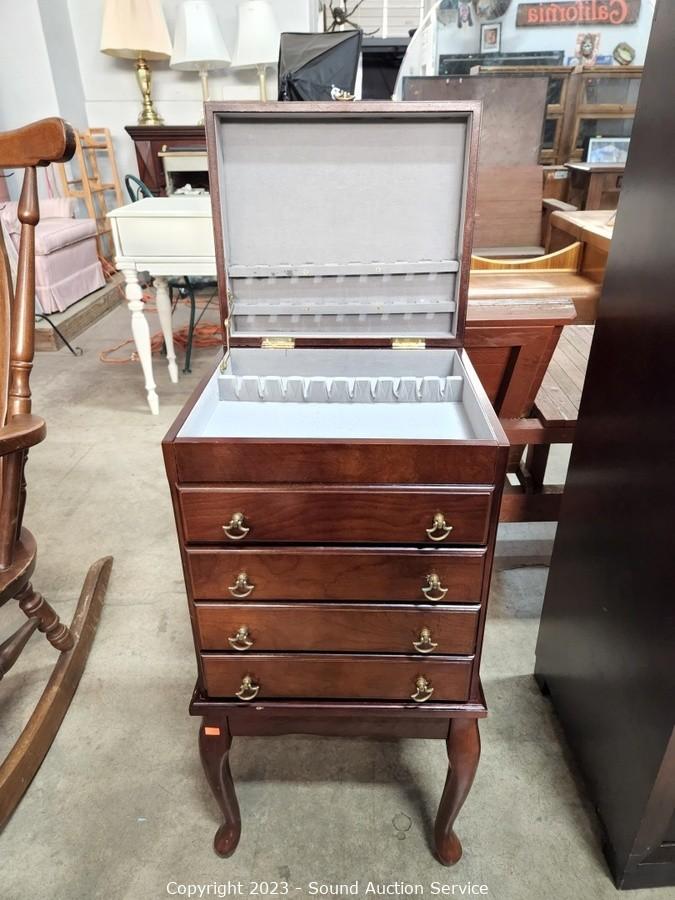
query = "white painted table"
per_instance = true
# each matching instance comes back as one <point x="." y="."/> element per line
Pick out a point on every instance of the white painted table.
<point x="168" y="237"/>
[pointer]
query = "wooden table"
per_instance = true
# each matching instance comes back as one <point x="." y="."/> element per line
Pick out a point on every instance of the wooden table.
<point x="594" y="228"/>
<point x="595" y="185"/>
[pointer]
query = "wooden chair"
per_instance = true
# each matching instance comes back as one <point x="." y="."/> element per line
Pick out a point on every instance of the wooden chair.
<point x="39" y="144"/>
<point x="537" y="284"/>
<point x="511" y="344"/>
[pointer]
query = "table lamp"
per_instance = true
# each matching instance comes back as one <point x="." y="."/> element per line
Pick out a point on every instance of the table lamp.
<point x="136" y="29"/>
<point x="198" y="44"/>
<point x="257" y="39"/>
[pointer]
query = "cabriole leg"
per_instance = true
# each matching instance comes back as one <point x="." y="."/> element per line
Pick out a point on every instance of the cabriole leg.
<point x="214" y="747"/>
<point x="463" y="754"/>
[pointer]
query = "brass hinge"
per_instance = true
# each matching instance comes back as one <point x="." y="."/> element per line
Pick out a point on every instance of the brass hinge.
<point x="278" y="343"/>
<point x="408" y="343"/>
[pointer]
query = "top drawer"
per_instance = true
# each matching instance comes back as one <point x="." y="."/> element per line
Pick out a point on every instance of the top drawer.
<point x="298" y="514"/>
<point x="266" y="461"/>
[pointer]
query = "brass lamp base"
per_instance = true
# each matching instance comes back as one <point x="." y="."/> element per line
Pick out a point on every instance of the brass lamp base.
<point x="148" y="114"/>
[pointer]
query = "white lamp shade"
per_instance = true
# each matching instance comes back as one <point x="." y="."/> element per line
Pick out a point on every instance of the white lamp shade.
<point x="257" y="35"/>
<point x="197" y="40"/>
<point x="133" y="28"/>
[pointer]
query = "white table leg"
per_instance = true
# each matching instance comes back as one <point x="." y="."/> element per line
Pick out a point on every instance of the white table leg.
<point x="164" y="312"/>
<point x="141" y="333"/>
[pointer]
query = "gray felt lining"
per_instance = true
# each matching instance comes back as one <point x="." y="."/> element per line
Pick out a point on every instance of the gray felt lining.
<point x="449" y="411"/>
<point x="323" y="212"/>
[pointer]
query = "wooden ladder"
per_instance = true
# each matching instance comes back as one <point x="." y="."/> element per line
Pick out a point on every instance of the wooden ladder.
<point x="87" y="184"/>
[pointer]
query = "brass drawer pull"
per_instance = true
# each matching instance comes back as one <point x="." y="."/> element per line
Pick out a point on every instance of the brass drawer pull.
<point x="237" y="526"/>
<point x="434" y="590"/>
<point x="241" y="641"/>
<point x="439" y="530"/>
<point x="424" y="644"/>
<point x="248" y="690"/>
<point x="241" y="587"/>
<point x="423" y="690"/>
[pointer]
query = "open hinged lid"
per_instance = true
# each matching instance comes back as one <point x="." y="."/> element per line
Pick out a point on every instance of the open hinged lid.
<point x="343" y="222"/>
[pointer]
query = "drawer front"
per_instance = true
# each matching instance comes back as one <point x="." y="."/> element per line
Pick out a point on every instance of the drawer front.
<point x="340" y="628"/>
<point x="335" y="677"/>
<point x="322" y="573"/>
<point x="297" y="515"/>
<point x="166" y="236"/>
<point x="259" y="461"/>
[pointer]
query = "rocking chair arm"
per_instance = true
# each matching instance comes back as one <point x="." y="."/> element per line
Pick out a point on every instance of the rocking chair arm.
<point x="20" y="433"/>
<point x="37" y="144"/>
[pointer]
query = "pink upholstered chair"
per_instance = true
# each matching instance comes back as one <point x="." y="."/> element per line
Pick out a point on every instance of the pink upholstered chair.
<point x="66" y="261"/>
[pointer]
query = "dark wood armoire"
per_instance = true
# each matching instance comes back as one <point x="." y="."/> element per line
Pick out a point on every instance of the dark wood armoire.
<point x="606" y="649"/>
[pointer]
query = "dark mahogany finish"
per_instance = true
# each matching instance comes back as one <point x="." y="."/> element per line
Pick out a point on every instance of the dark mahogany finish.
<point x="215" y="741"/>
<point x="327" y="573"/>
<point x="315" y="620"/>
<point x="336" y="676"/>
<point x="239" y="460"/>
<point x="463" y="754"/>
<point x="606" y="648"/>
<point x="310" y="515"/>
<point x="151" y="140"/>
<point x="333" y="627"/>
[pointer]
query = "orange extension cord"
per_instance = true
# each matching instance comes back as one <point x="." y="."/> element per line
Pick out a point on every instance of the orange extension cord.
<point x="203" y="336"/>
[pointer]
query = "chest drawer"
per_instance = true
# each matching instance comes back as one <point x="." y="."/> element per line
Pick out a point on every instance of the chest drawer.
<point x="336" y="677"/>
<point x="206" y="459"/>
<point x="320" y="573"/>
<point x="343" y="628"/>
<point x="299" y="515"/>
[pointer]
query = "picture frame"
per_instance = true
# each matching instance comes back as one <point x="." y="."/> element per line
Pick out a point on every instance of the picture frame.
<point x="610" y="150"/>
<point x="491" y="37"/>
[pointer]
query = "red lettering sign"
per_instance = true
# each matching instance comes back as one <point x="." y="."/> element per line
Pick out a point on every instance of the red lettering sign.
<point x="578" y="12"/>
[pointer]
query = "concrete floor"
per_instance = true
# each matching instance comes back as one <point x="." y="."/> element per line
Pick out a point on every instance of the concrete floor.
<point x="120" y="808"/>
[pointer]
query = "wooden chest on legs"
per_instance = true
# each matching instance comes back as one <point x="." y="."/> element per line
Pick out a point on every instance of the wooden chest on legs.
<point x="336" y="481"/>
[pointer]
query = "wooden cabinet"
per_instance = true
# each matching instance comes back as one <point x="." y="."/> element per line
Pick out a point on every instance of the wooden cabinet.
<point x="606" y="647"/>
<point x="337" y="480"/>
<point x="603" y="100"/>
<point x="152" y="140"/>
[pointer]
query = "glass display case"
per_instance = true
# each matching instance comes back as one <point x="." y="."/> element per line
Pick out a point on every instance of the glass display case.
<point x="604" y="101"/>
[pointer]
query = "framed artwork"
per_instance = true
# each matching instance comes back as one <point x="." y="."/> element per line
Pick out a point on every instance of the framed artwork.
<point x="491" y="37"/>
<point x="587" y="47"/>
<point x="608" y="150"/>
